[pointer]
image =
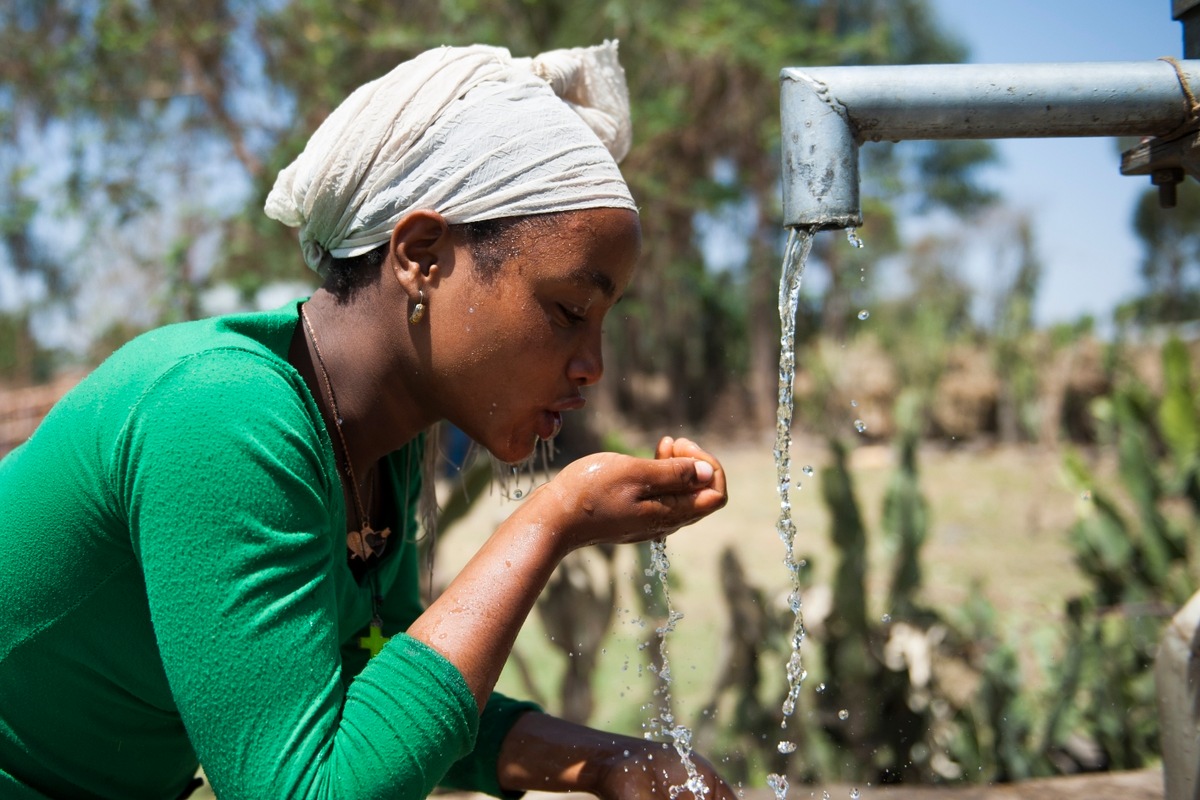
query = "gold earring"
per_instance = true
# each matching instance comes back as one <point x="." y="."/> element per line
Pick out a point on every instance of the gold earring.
<point x="418" y="312"/>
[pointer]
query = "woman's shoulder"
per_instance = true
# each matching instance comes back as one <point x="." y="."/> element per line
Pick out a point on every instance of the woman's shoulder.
<point x="235" y="364"/>
<point x="240" y="348"/>
<point x="266" y="334"/>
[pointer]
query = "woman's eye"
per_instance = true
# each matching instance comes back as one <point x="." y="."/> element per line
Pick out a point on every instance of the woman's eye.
<point x="570" y="316"/>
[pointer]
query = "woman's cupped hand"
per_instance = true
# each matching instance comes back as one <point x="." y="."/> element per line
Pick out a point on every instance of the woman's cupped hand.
<point x="655" y="770"/>
<point x="613" y="498"/>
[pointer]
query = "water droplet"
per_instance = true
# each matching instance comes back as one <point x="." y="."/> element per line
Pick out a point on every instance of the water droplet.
<point x="627" y="754"/>
<point x="860" y="426"/>
<point x="854" y="404"/>
<point x="786" y="747"/>
<point x="820" y="688"/>
<point x="886" y="619"/>
<point x="852" y="237"/>
<point x="518" y="494"/>
<point x="864" y="314"/>
<point x="647" y="588"/>
<point x="854" y="795"/>
<point x="807" y="470"/>
<point x="843" y="715"/>
<point x="1086" y="495"/>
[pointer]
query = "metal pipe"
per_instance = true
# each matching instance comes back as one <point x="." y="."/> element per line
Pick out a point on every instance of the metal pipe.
<point x="828" y="112"/>
<point x="1187" y="14"/>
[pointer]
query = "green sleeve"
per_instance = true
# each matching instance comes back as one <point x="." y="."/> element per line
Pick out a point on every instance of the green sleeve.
<point x="228" y="487"/>
<point x="476" y="772"/>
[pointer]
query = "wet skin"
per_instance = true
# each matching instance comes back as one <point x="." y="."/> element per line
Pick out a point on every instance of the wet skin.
<point x="501" y="359"/>
<point x="526" y="341"/>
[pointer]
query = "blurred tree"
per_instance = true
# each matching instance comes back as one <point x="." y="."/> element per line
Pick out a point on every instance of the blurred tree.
<point x="175" y="116"/>
<point x="124" y="128"/>
<point x="22" y="362"/>
<point x="1171" y="262"/>
<point x="1013" y="342"/>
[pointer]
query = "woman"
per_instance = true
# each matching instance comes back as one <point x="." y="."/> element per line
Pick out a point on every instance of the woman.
<point x="207" y="553"/>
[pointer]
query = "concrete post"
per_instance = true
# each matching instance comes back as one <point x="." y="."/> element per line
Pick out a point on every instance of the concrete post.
<point x="1177" y="678"/>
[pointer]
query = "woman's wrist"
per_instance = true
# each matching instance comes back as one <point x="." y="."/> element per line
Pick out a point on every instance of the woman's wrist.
<point x="544" y="521"/>
<point x="545" y="753"/>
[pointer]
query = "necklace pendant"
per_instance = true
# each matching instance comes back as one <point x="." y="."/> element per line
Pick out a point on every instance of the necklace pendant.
<point x="375" y="641"/>
<point x="367" y="543"/>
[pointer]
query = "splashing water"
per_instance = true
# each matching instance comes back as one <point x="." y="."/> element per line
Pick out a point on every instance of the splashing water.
<point x="664" y="725"/>
<point x="778" y="784"/>
<point x="508" y="476"/>
<point x="798" y="247"/>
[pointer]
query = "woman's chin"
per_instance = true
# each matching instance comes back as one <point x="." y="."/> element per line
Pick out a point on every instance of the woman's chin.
<point x="513" y="452"/>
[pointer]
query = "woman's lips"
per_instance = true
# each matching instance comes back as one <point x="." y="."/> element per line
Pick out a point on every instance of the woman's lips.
<point x="550" y="420"/>
<point x="549" y="424"/>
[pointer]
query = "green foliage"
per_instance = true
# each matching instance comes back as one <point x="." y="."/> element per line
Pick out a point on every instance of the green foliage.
<point x="1014" y="345"/>
<point x="905" y="512"/>
<point x="22" y="362"/>
<point x="933" y="698"/>
<point x="1171" y="265"/>
<point x="170" y="109"/>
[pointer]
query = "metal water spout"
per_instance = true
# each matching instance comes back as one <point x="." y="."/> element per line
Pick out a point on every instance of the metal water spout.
<point x="829" y="112"/>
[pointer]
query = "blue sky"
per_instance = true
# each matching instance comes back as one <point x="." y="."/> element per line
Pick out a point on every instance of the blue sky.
<point x="1081" y="204"/>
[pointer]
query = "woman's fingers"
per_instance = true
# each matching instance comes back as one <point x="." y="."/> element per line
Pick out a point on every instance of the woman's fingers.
<point x="688" y="448"/>
<point x="683" y="483"/>
<point x="615" y="498"/>
<point x="665" y="447"/>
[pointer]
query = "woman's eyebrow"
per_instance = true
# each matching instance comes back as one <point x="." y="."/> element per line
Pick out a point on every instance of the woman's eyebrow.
<point x="597" y="279"/>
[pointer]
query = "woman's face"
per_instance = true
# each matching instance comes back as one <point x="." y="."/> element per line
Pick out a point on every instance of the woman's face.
<point x="510" y="354"/>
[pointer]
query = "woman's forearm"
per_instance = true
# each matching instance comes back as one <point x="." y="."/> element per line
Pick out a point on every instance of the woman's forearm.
<point x="602" y="498"/>
<point x="549" y="754"/>
<point x="475" y="621"/>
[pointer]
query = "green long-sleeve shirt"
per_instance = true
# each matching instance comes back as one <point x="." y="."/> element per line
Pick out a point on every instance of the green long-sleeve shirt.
<point x="174" y="588"/>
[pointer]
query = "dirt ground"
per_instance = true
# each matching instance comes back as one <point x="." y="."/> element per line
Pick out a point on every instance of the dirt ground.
<point x="1141" y="785"/>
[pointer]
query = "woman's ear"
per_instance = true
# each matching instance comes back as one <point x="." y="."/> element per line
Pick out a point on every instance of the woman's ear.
<point x="421" y="250"/>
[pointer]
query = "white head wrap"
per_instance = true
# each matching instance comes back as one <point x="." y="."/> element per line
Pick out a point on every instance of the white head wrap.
<point x="469" y="132"/>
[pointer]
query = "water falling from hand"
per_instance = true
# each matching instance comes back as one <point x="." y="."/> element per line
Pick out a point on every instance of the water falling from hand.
<point x="664" y="725"/>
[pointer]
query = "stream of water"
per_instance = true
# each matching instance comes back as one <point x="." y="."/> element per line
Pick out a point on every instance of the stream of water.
<point x="799" y="245"/>
<point x="664" y="725"/>
<point x="795" y="256"/>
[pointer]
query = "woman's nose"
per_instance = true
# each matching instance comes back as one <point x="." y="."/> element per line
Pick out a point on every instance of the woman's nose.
<point x="587" y="365"/>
